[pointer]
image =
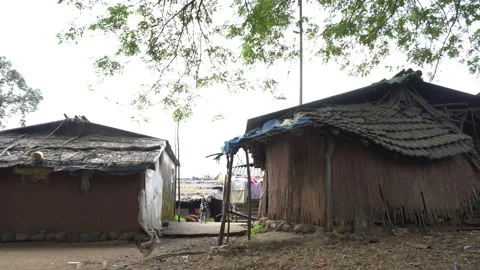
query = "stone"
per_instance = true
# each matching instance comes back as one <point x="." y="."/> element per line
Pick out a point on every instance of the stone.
<point x="84" y="237"/>
<point x="140" y="236"/>
<point x="280" y="224"/>
<point x="22" y="237"/>
<point x="126" y="236"/>
<point x="165" y="224"/>
<point x="113" y="235"/>
<point x="267" y="223"/>
<point x="94" y="236"/>
<point x="50" y="237"/>
<point x="61" y="237"/>
<point x="262" y="221"/>
<point x="400" y="231"/>
<point x="7" y="237"/>
<point x="304" y="228"/>
<point x="286" y="227"/>
<point x="80" y="265"/>
<point x="38" y="237"/>
<point x="73" y="238"/>
<point x="104" y="237"/>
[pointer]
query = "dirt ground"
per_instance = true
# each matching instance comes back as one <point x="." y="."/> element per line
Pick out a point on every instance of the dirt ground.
<point x="272" y="250"/>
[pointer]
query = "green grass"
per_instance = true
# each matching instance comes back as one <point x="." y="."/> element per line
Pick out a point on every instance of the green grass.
<point x="181" y="218"/>
<point x="256" y="229"/>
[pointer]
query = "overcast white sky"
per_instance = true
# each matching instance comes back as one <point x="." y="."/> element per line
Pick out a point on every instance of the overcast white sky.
<point x="28" y="29"/>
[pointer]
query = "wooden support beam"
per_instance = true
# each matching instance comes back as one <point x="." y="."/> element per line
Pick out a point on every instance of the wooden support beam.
<point x="330" y="144"/>
<point x="226" y="200"/>
<point x="249" y="195"/>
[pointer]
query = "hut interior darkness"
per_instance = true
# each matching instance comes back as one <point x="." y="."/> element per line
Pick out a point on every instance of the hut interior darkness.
<point x="397" y="151"/>
<point x="76" y="176"/>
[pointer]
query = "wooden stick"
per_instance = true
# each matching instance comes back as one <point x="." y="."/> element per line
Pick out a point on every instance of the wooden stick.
<point x="226" y="192"/>
<point x="178" y="254"/>
<point x="249" y="196"/>
<point x="228" y="197"/>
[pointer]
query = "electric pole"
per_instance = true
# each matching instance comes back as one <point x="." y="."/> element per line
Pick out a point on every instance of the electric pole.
<point x="300" y="26"/>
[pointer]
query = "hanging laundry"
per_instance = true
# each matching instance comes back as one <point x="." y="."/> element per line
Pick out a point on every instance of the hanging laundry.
<point x="257" y="190"/>
<point x="238" y="191"/>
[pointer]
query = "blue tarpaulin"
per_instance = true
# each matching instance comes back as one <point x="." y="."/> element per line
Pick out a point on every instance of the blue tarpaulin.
<point x="232" y="146"/>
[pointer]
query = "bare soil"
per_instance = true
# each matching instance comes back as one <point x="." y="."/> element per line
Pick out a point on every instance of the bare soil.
<point x="271" y="250"/>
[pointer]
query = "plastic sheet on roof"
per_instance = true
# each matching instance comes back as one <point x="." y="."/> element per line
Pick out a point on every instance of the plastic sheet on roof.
<point x="274" y="125"/>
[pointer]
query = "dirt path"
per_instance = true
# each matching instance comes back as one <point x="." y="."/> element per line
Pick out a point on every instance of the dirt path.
<point x="266" y="251"/>
<point x="117" y="254"/>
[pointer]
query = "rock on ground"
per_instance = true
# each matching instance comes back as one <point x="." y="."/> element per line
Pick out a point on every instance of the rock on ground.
<point x="7" y="237"/>
<point x="22" y="237"/>
<point x="304" y="228"/>
<point x="126" y="236"/>
<point x="84" y="237"/>
<point x="38" y="237"/>
<point x="104" y="237"/>
<point x="61" y="237"/>
<point x="113" y="235"/>
<point x="95" y="236"/>
<point x="50" y="237"/>
<point x="73" y="238"/>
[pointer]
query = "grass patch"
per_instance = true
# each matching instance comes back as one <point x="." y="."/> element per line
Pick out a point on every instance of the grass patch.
<point x="256" y="229"/>
<point x="181" y="218"/>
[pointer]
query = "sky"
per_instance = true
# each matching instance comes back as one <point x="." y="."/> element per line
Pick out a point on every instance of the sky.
<point x="64" y="74"/>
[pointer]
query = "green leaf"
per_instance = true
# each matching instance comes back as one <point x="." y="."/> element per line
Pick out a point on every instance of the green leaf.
<point x="16" y="97"/>
<point x="192" y="44"/>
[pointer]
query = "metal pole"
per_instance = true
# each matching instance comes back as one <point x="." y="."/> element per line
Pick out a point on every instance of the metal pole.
<point x="301" y="50"/>
<point x="249" y="196"/>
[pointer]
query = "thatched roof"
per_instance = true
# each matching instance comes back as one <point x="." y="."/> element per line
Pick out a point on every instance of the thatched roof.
<point x="393" y="114"/>
<point x="193" y="189"/>
<point x="76" y="143"/>
<point x="405" y="132"/>
<point x="434" y="94"/>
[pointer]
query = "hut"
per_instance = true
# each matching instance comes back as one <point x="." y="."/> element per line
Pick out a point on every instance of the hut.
<point x="397" y="151"/>
<point x="73" y="175"/>
<point x="193" y="190"/>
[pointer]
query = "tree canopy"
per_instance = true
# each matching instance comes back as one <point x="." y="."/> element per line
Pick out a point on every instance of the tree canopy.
<point x="199" y="43"/>
<point x="17" y="99"/>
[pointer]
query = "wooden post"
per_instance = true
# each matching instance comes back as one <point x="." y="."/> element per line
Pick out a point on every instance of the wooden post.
<point x="178" y="190"/>
<point x="226" y="201"/>
<point x="249" y="196"/>
<point x="330" y="144"/>
<point x="175" y="193"/>
<point x="228" y="198"/>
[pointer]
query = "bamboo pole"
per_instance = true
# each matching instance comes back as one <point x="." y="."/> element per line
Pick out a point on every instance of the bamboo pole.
<point x="249" y="196"/>
<point x="226" y="201"/>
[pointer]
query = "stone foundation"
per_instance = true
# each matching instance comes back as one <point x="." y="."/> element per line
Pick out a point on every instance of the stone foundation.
<point x="70" y="237"/>
<point x="285" y="226"/>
